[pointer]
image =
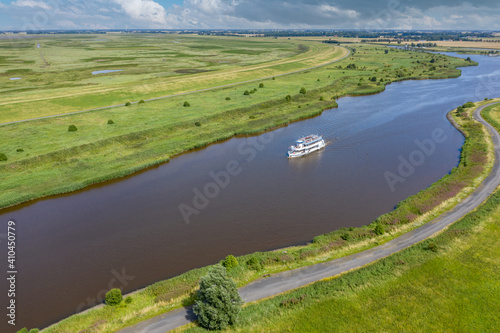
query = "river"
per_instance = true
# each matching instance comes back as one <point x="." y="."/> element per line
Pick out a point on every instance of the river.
<point x="237" y="197"/>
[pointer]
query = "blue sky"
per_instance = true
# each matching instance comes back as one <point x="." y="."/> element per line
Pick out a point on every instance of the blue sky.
<point x="212" y="14"/>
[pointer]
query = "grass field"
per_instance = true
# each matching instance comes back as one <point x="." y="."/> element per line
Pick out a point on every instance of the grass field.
<point x="151" y="66"/>
<point x="449" y="283"/>
<point x="172" y="293"/>
<point x="45" y="159"/>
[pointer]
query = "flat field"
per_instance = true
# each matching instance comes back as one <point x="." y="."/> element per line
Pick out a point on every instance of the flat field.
<point x="55" y="74"/>
<point x="43" y="158"/>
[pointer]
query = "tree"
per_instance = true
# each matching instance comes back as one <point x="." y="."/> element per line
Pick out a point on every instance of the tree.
<point x="288" y="98"/>
<point x="468" y="59"/>
<point x="72" y="128"/>
<point x="186" y="103"/>
<point x="386" y="51"/>
<point x="230" y="262"/>
<point x="261" y="85"/>
<point x="246" y="93"/>
<point x="128" y="104"/>
<point x="114" y="297"/>
<point x="219" y="302"/>
<point x="110" y="122"/>
<point x="3" y="157"/>
<point x="302" y="90"/>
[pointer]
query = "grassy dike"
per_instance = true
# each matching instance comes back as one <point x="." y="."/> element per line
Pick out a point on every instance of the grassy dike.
<point x="173" y="293"/>
<point x="44" y="159"/>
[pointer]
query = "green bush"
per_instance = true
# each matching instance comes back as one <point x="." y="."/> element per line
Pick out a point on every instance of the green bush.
<point x="72" y="128"/>
<point x="110" y="122"/>
<point x="379" y="229"/>
<point x="321" y="98"/>
<point x="142" y="101"/>
<point x="20" y="150"/>
<point x="25" y="330"/>
<point x="197" y="124"/>
<point x="261" y="85"/>
<point x="128" y="300"/>
<point x="246" y="93"/>
<point x="228" y="98"/>
<point x="114" y="297"/>
<point x="128" y="104"/>
<point x="469" y="105"/>
<point x="3" y="157"/>
<point x="303" y="90"/>
<point x="432" y="247"/>
<point x="219" y="302"/>
<point x="186" y="103"/>
<point x="254" y="264"/>
<point x="230" y="262"/>
<point x="288" y="98"/>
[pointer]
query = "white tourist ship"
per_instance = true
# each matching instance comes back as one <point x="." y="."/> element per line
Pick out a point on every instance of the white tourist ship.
<point x="306" y="145"/>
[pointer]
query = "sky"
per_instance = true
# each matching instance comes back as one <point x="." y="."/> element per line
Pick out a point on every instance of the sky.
<point x="249" y="14"/>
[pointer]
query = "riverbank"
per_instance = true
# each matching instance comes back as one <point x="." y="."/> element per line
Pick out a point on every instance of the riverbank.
<point x="146" y="135"/>
<point x="173" y="293"/>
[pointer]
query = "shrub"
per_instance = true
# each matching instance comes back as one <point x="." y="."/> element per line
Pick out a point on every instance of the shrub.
<point x="230" y="262"/>
<point x="251" y="117"/>
<point x="3" y="157"/>
<point x="186" y="103"/>
<point x="346" y="236"/>
<point x="379" y="229"/>
<point x="128" y="300"/>
<point x="246" y="93"/>
<point x="274" y="78"/>
<point x="25" y="330"/>
<point x="128" y="104"/>
<point x="142" y="101"/>
<point x="20" y="150"/>
<point x="110" y="122"/>
<point x="114" y="297"/>
<point x="228" y="98"/>
<point x="219" y="302"/>
<point x="254" y="264"/>
<point x="197" y="124"/>
<point x="288" y="98"/>
<point x="72" y="128"/>
<point x="432" y="247"/>
<point x="292" y="301"/>
<point x="261" y="85"/>
<point x="303" y="90"/>
<point x="321" y="98"/>
<point x="469" y="105"/>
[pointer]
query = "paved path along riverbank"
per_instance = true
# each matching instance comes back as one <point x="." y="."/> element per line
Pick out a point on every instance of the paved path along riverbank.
<point x="285" y="281"/>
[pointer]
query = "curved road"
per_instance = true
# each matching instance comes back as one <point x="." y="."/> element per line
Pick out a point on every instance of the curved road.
<point x="285" y="281"/>
<point x="181" y="94"/>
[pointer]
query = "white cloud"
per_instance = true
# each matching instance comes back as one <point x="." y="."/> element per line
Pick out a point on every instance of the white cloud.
<point x="144" y="10"/>
<point x="31" y="4"/>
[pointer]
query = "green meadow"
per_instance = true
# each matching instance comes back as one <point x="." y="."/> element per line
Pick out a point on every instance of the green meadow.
<point x="57" y="77"/>
<point x="43" y="158"/>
